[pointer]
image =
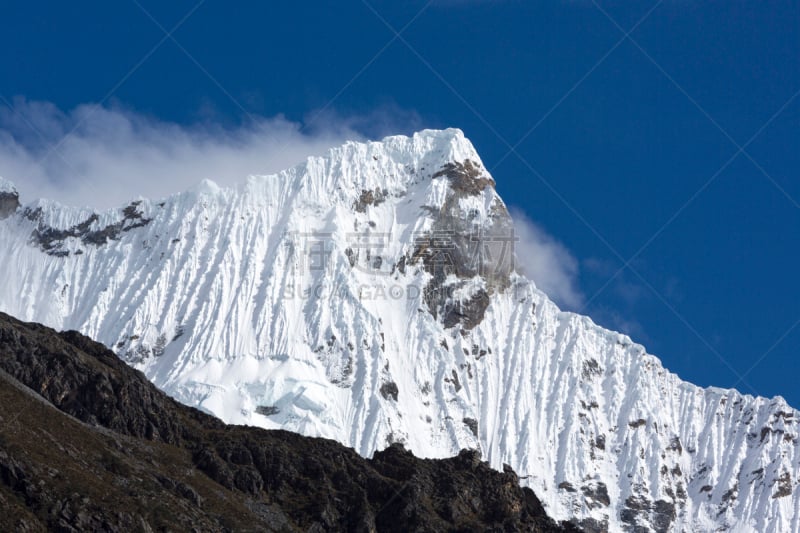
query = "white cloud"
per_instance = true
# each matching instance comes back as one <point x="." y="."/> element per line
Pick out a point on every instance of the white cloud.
<point x="547" y="262"/>
<point x="105" y="156"/>
<point x="612" y="319"/>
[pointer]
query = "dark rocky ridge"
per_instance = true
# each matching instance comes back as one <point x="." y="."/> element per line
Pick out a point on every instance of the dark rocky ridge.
<point x="9" y="203"/>
<point x="52" y="240"/>
<point x="87" y="443"/>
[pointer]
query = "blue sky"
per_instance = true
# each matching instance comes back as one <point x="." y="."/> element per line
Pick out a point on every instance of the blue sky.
<point x="626" y="150"/>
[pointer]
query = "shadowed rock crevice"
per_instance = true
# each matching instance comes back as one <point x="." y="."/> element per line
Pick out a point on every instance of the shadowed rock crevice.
<point x="658" y="515"/>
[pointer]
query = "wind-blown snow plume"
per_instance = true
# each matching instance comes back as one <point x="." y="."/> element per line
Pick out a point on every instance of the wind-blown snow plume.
<point x="104" y="156"/>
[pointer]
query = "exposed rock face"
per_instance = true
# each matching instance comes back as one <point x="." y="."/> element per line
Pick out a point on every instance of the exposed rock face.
<point x="368" y="198"/>
<point x="87" y="443"/>
<point x="466" y="177"/>
<point x="469" y="260"/>
<point x="9" y="203"/>
<point x="89" y="232"/>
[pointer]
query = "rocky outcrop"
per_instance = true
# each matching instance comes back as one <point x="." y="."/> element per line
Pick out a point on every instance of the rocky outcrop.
<point x="466" y="177"/>
<point x="368" y="198"/>
<point x="468" y="261"/>
<point x="9" y="203"/>
<point x="87" y="443"/>
<point x="53" y="240"/>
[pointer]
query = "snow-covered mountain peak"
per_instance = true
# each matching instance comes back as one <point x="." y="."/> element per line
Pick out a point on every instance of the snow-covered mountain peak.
<point x="7" y="186"/>
<point x="207" y="187"/>
<point x="395" y="163"/>
<point x="371" y="296"/>
<point x="432" y="146"/>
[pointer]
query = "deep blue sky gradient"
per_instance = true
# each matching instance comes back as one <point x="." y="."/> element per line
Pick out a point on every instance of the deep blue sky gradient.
<point x="624" y="151"/>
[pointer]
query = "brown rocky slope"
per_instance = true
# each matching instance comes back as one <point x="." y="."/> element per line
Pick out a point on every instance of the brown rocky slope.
<point x="87" y="443"/>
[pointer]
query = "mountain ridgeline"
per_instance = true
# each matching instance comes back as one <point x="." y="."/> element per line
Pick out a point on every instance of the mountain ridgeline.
<point x="371" y="296"/>
<point x="89" y="444"/>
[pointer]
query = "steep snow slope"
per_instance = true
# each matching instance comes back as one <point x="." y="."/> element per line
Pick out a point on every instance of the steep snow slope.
<point x="370" y="296"/>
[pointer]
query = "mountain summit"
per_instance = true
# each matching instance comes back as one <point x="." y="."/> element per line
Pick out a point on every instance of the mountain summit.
<point x="371" y="296"/>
